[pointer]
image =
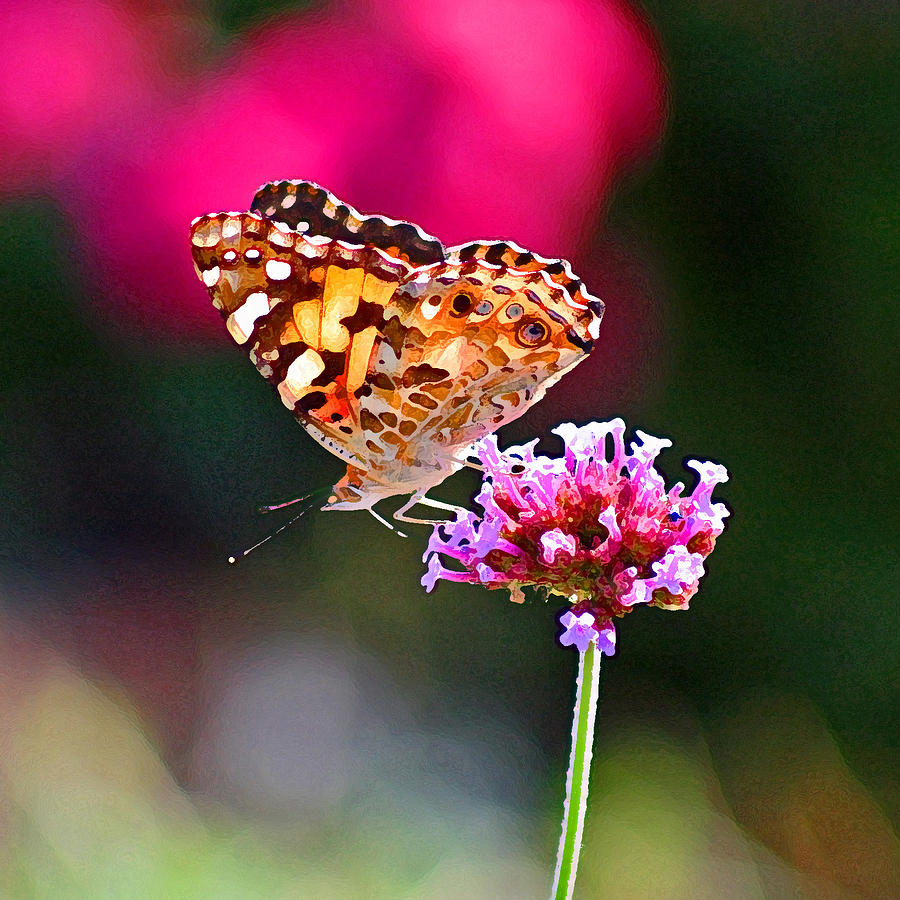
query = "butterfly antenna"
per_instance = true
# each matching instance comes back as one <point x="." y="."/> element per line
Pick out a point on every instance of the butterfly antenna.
<point x="277" y="531"/>
<point x="249" y="550"/>
<point x="274" y="506"/>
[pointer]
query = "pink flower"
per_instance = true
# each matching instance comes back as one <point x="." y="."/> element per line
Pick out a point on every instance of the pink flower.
<point x="579" y="631"/>
<point x="554" y="542"/>
<point x="601" y="530"/>
<point x="542" y="102"/>
<point x="69" y="68"/>
<point x="473" y="120"/>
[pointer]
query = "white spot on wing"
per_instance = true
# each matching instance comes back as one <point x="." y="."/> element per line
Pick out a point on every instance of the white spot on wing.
<point x="300" y="374"/>
<point x="289" y="201"/>
<point x="278" y="269"/>
<point x="240" y="323"/>
<point x="280" y="235"/>
<point x="429" y="310"/>
<point x="230" y="228"/>
<point x="211" y="276"/>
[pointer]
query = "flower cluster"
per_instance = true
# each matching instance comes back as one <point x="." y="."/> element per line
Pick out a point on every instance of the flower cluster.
<point x="600" y="530"/>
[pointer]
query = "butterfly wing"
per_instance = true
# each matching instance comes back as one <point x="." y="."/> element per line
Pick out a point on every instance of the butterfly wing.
<point x="306" y="207"/>
<point x="391" y="351"/>
<point x="468" y="346"/>
<point x="309" y="309"/>
<point x="501" y="256"/>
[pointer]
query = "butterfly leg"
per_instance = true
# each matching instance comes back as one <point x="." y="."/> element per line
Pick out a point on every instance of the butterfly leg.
<point x="439" y="504"/>
<point x="385" y="522"/>
<point x="466" y="461"/>
<point x="470" y="465"/>
<point x="421" y="500"/>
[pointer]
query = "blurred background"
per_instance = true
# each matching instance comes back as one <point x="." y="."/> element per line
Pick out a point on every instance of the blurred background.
<point x="309" y="723"/>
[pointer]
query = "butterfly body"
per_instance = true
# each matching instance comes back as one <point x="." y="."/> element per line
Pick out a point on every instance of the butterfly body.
<point x="394" y="353"/>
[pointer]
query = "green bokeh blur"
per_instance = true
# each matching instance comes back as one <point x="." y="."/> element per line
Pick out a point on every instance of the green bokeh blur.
<point x="745" y="748"/>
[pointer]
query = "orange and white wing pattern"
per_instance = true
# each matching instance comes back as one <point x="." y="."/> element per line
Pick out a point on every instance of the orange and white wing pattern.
<point x="308" y="308"/>
<point x="468" y="346"/>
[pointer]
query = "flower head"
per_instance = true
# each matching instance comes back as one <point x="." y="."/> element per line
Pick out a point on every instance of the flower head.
<point x="596" y="527"/>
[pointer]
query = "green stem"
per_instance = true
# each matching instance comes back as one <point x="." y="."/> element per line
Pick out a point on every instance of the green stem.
<point x="585" y="713"/>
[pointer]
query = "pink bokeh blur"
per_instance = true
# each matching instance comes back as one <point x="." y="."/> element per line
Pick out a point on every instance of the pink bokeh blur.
<point x="74" y="68"/>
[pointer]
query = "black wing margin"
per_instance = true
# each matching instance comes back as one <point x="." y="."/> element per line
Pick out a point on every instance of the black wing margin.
<point x="306" y="207"/>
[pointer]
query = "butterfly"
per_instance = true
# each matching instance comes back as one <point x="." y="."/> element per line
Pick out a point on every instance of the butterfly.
<point x="394" y="352"/>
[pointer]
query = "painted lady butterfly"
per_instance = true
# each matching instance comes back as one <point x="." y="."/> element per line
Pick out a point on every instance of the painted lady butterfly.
<point x="392" y="351"/>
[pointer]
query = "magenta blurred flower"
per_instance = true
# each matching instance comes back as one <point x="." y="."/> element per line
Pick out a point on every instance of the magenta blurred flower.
<point x="514" y="128"/>
<point x="541" y="103"/>
<point x="69" y="67"/>
<point x="603" y="532"/>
